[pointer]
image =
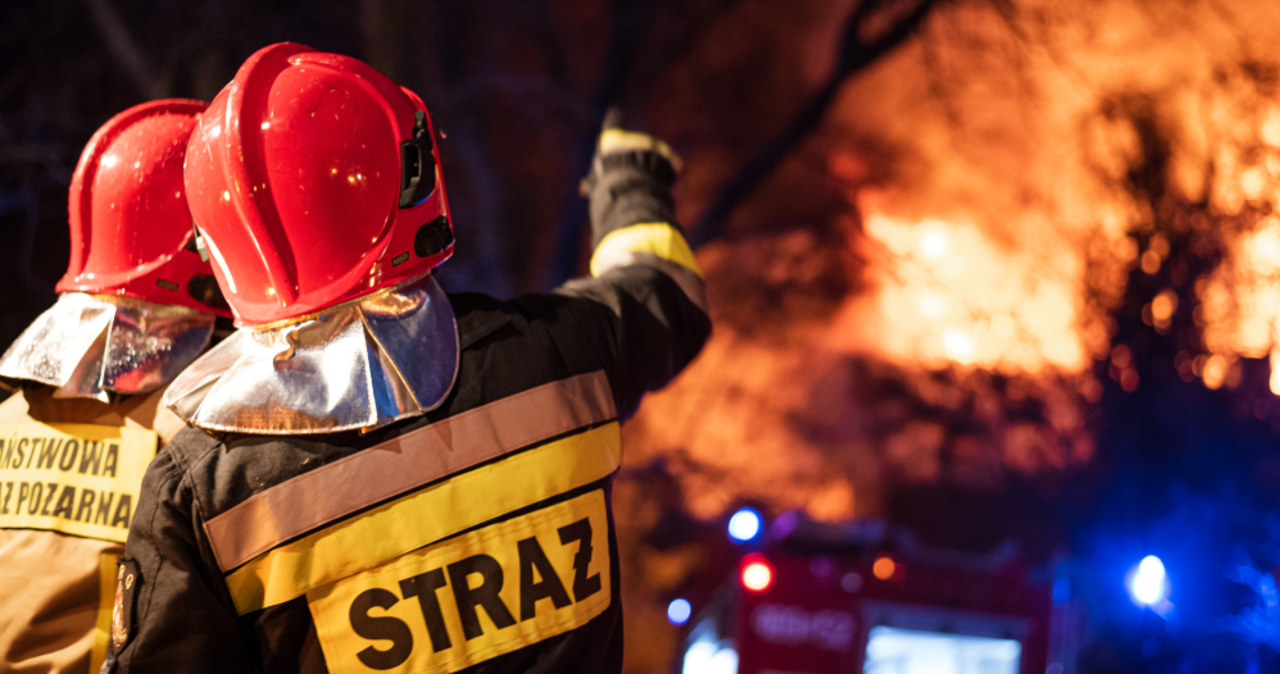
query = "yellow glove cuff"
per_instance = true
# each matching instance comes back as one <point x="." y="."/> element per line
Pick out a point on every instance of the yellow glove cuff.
<point x="619" y="140"/>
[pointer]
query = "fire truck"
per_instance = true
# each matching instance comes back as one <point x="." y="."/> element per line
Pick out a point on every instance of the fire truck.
<point x="863" y="596"/>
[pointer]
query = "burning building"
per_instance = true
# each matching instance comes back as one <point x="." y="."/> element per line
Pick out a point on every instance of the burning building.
<point x="1045" y="264"/>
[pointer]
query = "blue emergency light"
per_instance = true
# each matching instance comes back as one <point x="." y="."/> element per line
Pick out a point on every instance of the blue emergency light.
<point x="679" y="610"/>
<point x="1148" y="583"/>
<point x="745" y="525"/>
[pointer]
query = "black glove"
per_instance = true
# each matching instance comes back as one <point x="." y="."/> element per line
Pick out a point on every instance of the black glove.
<point x="630" y="179"/>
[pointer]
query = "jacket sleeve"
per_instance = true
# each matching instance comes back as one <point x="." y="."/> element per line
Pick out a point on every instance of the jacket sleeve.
<point x="172" y="617"/>
<point x="644" y="272"/>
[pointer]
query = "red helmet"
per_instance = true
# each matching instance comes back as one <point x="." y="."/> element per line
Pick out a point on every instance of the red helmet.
<point x="314" y="179"/>
<point x="131" y="231"/>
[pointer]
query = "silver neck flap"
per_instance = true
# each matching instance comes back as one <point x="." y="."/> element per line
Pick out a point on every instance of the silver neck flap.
<point x="89" y="346"/>
<point x="361" y="364"/>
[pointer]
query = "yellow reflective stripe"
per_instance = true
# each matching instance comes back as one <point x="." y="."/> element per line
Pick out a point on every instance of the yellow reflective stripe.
<point x="407" y="462"/>
<point x="425" y="517"/>
<point x="619" y="140"/>
<point x="106" y="602"/>
<point x="657" y="238"/>
<point x="497" y="598"/>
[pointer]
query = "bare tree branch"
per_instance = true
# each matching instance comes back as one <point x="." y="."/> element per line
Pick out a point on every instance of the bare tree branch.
<point x="854" y="55"/>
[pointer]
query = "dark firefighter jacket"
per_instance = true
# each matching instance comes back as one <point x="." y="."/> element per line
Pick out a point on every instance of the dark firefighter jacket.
<point x="477" y="537"/>
<point x="70" y="470"/>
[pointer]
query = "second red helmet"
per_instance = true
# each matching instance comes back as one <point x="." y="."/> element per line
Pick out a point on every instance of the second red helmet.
<point x="131" y="231"/>
<point x="314" y="179"/>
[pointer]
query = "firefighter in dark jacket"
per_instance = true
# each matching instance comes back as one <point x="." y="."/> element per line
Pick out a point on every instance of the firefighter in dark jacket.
<point x="383" y="477"/>
<point x="136" y="305"/>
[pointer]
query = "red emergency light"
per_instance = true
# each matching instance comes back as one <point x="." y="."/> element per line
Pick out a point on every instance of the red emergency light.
<point x="757" y="573"/>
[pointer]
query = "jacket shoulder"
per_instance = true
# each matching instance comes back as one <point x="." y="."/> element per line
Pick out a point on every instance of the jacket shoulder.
<point x="188" y="446"/>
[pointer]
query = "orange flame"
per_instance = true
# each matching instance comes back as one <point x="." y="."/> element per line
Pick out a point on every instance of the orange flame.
<point x="947" y="293"/>
<point x="1240" y="305"/>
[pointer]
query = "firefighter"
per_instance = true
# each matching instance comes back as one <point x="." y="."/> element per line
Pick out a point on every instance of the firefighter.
<point x="136" y="305"/>
<point x="380" y="476"/>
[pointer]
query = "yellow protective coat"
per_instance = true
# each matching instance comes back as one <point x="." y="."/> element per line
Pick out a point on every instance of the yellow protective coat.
<point x="56" y="590"/>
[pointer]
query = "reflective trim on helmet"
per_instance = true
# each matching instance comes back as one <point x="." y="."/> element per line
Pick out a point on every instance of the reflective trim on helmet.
<point x="658" y="238"/>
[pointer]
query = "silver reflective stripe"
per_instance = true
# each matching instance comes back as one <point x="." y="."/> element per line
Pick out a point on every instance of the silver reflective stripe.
<point x="415" y="459"/>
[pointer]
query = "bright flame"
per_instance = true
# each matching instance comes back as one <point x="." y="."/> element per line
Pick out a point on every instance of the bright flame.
<point x="1240" y="306"/>
<point x="932" y="305"/>
<point x="934" y="244"/>
<point x="1275" y="371"/>
<point x="976" y="304"/>
<point x="994" y="247"/>
<point x="958" y="345"/>
<point x="1004" y="240"/>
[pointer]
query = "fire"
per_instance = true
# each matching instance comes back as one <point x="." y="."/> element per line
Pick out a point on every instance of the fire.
<point x="1012" y="178"/>
<point x="1240" y="305"/>
<point x="989" y="236"/>
<point x="946" y="293"/>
